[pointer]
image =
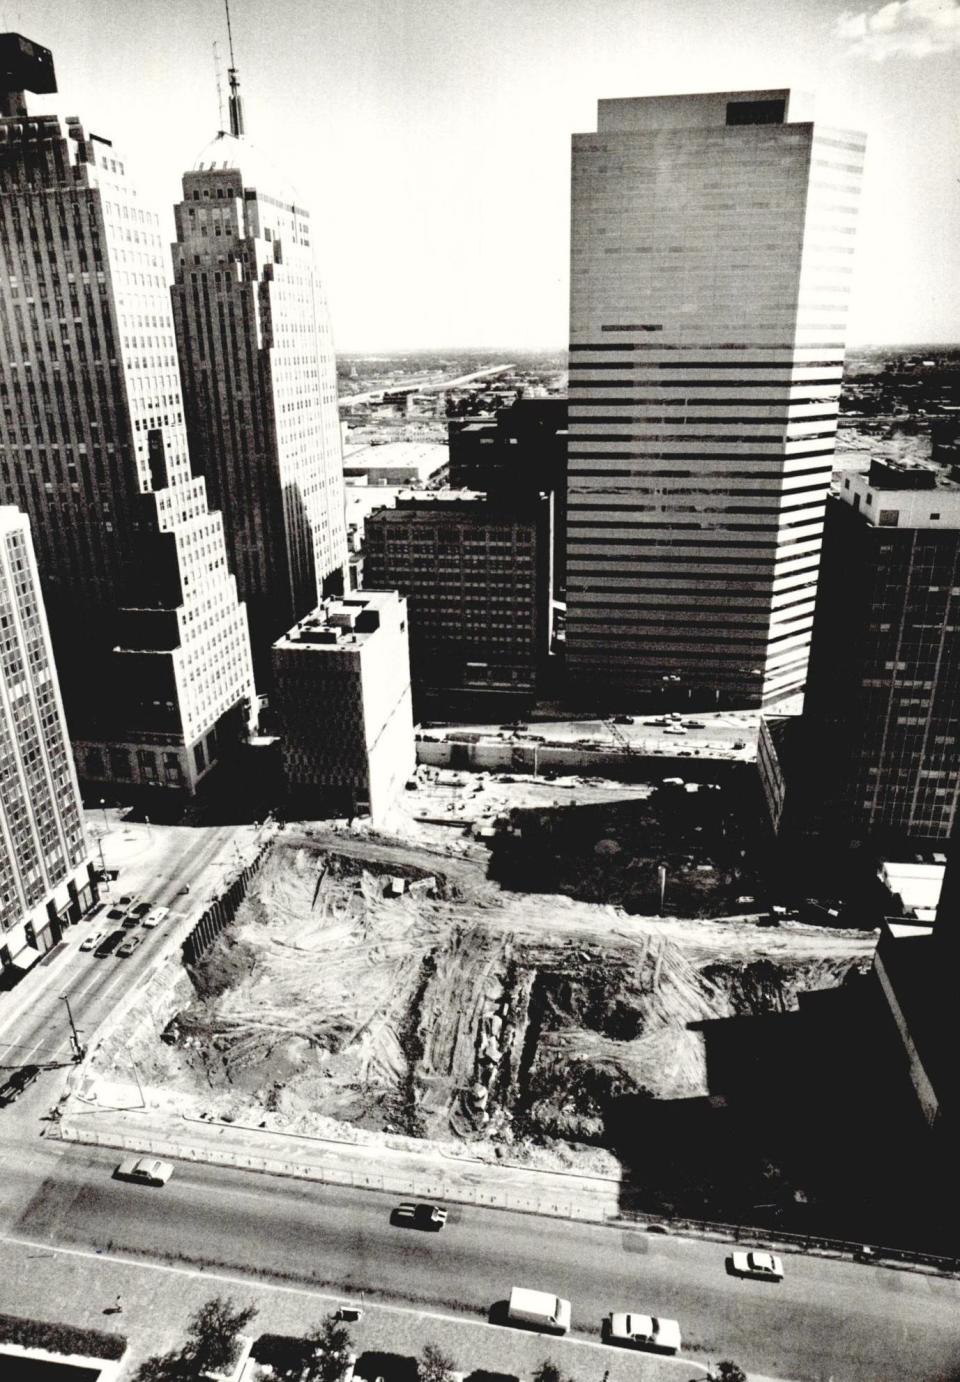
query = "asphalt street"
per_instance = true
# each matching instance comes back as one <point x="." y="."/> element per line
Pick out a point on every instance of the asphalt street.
<point x="828" y="1321"/>
<point x="40" y="1034"/>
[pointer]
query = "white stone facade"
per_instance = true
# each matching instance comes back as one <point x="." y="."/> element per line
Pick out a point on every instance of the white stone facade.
<point x="259" y="377"/>
<point x="151" y="639"/>
<point x="343" y="705"/>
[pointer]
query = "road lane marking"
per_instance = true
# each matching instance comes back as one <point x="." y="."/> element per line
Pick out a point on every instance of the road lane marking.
<point x="229" y="1279"/>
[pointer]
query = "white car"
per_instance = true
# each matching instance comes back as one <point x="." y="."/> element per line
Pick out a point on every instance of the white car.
<point x="155" y="917"/>
<point x="762" y="1266"/>
<point x="642" y="1331"/>
<point x="674" y="729"/>
<point x="145" y="1170"/>
<point x="93" y="940"/>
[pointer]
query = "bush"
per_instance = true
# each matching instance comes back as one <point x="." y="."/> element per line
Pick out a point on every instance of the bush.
<point x="61" y="1338"/>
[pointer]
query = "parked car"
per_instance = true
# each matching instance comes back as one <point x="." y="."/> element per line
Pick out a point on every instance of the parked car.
<point x="694" y="724"/>
<point x="155" y="917"/>
<point x="761" y="1266"/>
<point x="133" y="939"/>
<point x="141" y="910"/>
<point x="115" y="916"/>
<point x="92" y="941"/>
<point x="109" y="944"/>
<point x="17" y="1082"/>
<point x="674" y="729"/>
<point x="623" y="719"/>
<point x="144" y="1170"/>
<point x="426" y="1216"/>
<point x="642" y="1331"/>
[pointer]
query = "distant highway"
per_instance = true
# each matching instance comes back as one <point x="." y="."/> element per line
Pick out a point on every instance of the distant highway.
<point x="433" y="386"/>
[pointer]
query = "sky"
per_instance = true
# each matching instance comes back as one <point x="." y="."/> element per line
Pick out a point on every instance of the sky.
<point x="430" y="139"/>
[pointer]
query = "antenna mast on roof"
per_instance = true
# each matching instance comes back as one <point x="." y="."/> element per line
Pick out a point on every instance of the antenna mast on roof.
<point x="216" y="68"/>
<point x="235" y="104"/>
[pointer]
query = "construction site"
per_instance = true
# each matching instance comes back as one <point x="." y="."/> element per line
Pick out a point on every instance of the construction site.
<point x="382" y="987"/>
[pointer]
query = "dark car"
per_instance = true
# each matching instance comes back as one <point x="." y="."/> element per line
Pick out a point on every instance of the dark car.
<point x="131" y="941"/>
<point x="427" y="1216"/>
<point x="141" y="909"/>
<point x="115" y="915"/>
<point x="16" y="1083"/>
<point x="109" y="944"/>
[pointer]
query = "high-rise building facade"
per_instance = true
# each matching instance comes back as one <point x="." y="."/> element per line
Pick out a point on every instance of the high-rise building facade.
<point x="46" y="875"/>
<point x="150" y="638"/>
<point x="476" y="573"/>
<point x="259" y="382"/>
<point x="881" y="719"/>
<point x="711" y="256"/>
<point x="342" y="702"/>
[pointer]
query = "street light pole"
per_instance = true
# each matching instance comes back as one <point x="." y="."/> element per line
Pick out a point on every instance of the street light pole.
<point x="103" y="808"/>
<point x="78" y="1051"/>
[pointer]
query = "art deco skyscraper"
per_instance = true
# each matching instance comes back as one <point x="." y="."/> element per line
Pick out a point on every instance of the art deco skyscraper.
<point x="712" y="243"/>
<point x="45" y="868"/>
<point x="150" y="638"/>
<point x="259" y="381"/>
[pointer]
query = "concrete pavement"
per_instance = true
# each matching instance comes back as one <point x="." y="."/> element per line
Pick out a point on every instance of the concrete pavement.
<point x="80" y="1286"/>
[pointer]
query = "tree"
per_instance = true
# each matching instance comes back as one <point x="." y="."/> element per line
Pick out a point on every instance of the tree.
<point x="549" y="1372"/>
<point x="729" y="1372"/>
<point x="327" y="1349"/>
<point x="212" y="1334"/>
<point x="435" y="1365"/>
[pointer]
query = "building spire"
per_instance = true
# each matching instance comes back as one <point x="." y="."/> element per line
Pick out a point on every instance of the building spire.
<point x="234" y="101"/>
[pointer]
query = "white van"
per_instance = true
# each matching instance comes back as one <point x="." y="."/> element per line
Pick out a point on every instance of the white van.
<point x="539" y="1310"/>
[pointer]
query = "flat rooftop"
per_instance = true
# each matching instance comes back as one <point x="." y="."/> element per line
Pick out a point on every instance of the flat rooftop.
<point x="423" y="458"/>
<point x="342" y="625"/>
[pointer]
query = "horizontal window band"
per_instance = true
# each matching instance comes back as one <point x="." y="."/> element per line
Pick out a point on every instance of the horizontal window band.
<point x="687" y="420"/>
<point x="709" y="345"/>
<point x="710" y="364"/>
<point x="693" y="456"/>
<point x="719" y="438"/>
<point x="654" y="327"/>
<point x="690" y="384"/>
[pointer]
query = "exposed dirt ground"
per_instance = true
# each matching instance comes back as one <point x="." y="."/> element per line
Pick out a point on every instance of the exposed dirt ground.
<point x="459" y="1011"/>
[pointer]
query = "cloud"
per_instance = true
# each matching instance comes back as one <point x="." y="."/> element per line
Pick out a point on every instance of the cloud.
<point x="912" y="28"/>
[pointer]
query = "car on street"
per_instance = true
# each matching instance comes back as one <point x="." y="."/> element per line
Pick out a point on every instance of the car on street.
<point x="623" y="719"/>
<point x="155" y="917"/>
<point x="115" y="916"/>
<point x="133" y="939"/>
<point x="144" y="1170"/>
<point x="674" y="729"/>
<point x="628" y="1330"/>
<point x="426" y="1216"/>
<point x="17" y="1082"/>
<point x="760" y="1266"/>
<point x="109" y="944"/>
<point x="92" y="941"/>
<point x="141" y="910"/>
<point x="695" y="724"/>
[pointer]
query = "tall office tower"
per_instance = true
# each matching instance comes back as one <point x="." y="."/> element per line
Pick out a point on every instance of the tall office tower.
<point x="46" y="875"/>
<point x="881" y="720"/>
<point x="150" y="639"/>
<point x="259" y="382"/>
<point x="711" y="248"/>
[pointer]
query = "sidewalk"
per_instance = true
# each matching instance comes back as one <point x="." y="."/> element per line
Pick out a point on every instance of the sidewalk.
<point x="79" y="1287"/>
<point x="113" y="1115"/>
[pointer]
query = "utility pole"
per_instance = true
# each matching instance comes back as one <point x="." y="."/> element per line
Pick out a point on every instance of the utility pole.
<point x="78" y="1051"/>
